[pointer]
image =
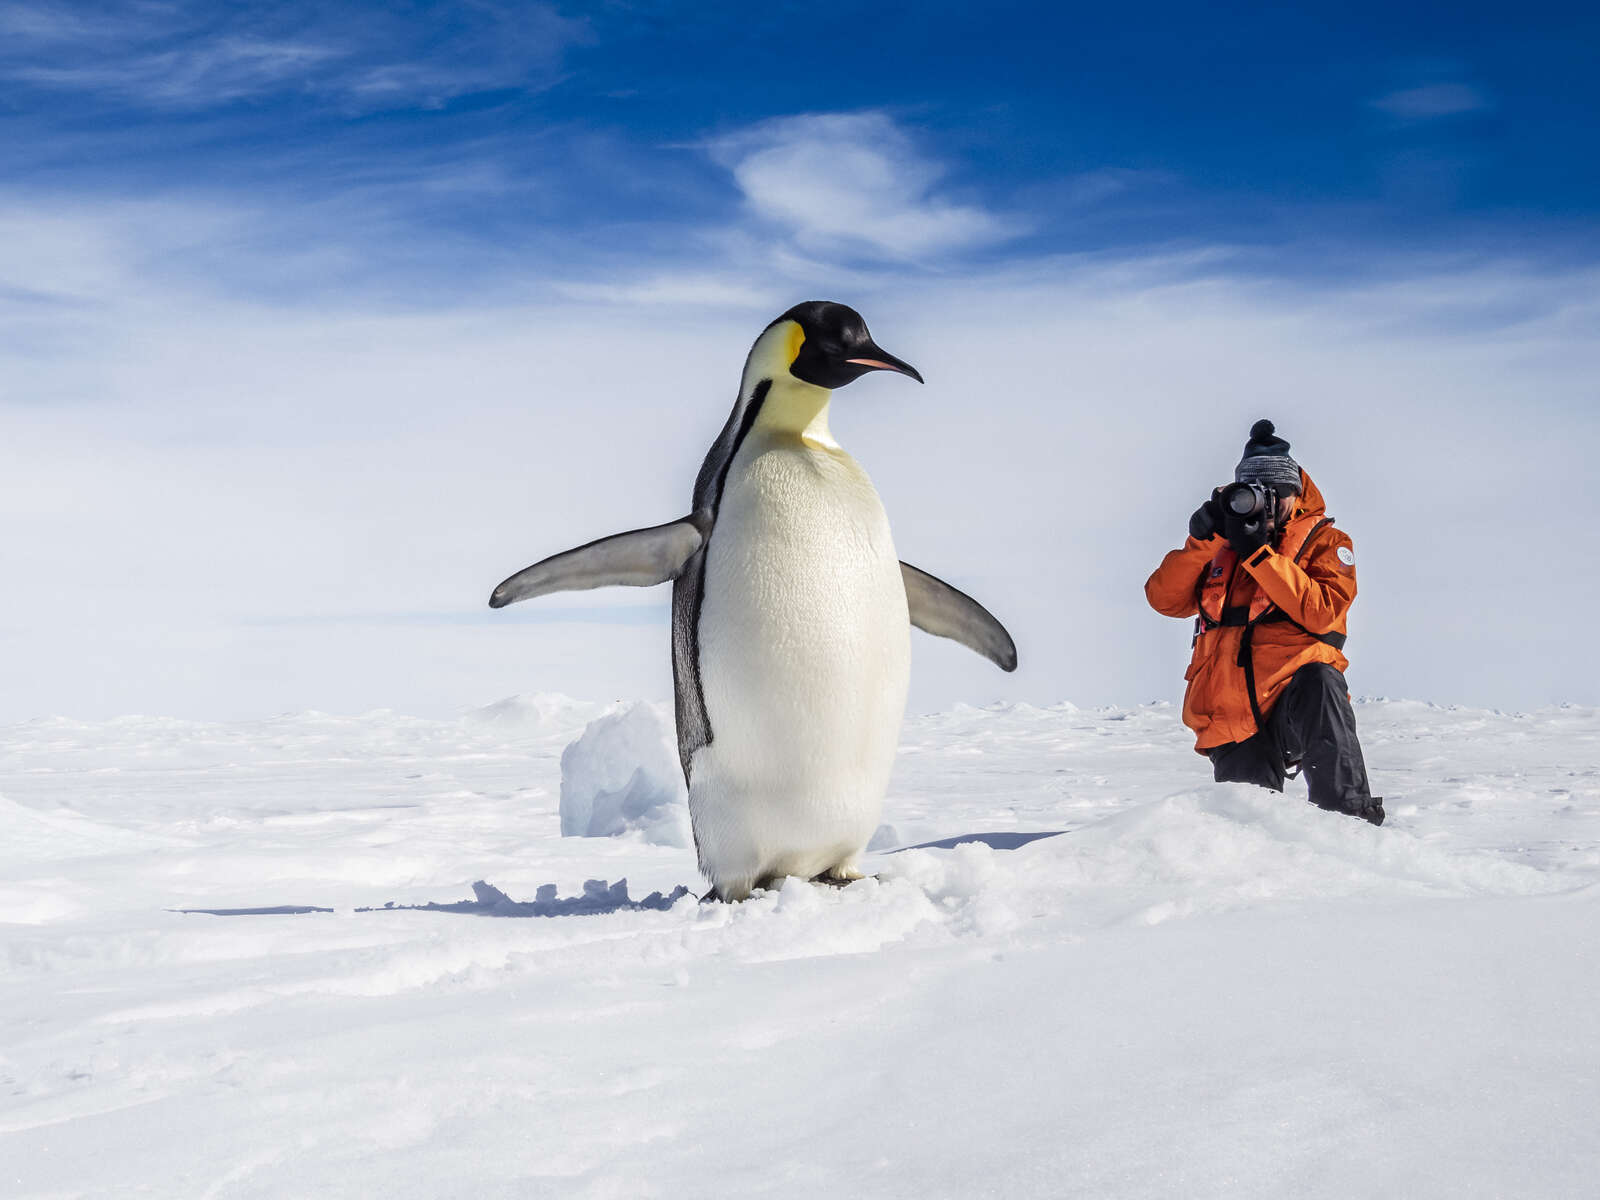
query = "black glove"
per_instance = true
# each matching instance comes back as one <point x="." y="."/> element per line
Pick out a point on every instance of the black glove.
<point x="1206" y="522"/>
<point x="1246" y="534"/>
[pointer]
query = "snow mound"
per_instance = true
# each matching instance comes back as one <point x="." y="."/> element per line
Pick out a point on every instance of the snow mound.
<point x="622" y="774"/>
<point x="36" y="835"/>
<point x="541" y="712"/>
<point x="1233" y="837"/>
<point x="1216" y="849"/>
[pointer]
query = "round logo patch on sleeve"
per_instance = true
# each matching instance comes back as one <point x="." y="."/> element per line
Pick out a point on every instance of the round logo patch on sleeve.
<point x="1347" y="556"/>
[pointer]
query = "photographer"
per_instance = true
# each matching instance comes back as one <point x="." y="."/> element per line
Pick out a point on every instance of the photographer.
<point x="1269" y="581"/>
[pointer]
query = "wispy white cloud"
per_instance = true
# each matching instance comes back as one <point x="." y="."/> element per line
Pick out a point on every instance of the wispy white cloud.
<point x="855" y="182"/>
<point x="1432" y="101"/>
<point x="699" y="290"/>
<point x="43" y="24"/>
<point x="217" y="71"/>
<point x="189" y="56"/>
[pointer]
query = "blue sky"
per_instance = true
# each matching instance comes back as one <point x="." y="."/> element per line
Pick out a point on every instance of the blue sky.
<point x="316" y="321"/>
<point x="479" y="144"/>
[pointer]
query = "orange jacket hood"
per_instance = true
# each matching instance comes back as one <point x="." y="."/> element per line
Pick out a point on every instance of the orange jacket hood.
<point x="1311" y="502"/>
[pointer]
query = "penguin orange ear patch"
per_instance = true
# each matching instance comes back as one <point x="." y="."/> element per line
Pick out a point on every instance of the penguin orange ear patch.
<point x="797" y="338"/>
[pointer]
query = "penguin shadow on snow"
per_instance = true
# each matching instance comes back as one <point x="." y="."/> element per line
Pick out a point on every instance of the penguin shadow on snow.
<point x="597" y="898"/>
<point x="1008" y="840"/>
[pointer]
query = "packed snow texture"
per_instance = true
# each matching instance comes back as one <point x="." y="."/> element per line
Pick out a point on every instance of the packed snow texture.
<point x="621" y="774"/>
<point x="1187" y="990"/>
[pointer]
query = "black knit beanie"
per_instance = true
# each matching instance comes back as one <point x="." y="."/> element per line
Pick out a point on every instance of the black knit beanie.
<point x="1266" y="461"/>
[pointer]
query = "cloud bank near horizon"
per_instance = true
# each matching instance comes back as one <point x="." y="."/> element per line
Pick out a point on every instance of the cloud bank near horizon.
<point x="220" y="508"/>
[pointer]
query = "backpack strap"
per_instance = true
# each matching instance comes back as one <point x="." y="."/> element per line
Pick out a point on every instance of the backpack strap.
<point x="1273" y="615"/>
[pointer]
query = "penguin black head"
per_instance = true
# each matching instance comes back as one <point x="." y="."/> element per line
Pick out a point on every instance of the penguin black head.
<point x="830" y="346"/>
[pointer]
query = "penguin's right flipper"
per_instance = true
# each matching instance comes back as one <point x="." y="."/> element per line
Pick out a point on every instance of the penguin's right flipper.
<point x="943" y="611"/>
<point x="638" y="558"/>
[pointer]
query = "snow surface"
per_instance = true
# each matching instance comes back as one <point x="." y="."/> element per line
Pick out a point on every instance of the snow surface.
<point x="1194" y="991"/>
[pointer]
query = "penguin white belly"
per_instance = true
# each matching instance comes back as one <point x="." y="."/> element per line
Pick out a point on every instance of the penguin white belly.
<point x="804" y="657"/>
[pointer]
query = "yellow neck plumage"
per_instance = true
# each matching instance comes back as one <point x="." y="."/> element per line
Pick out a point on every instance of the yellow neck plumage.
<point x="792" y="406"/>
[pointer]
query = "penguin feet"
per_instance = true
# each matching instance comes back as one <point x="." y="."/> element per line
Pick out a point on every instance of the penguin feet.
<point x="841" y="876"/>
<point x="739" y="890"/>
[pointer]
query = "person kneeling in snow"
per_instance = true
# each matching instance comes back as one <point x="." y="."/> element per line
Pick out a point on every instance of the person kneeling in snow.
<point x="1269" y="580"/>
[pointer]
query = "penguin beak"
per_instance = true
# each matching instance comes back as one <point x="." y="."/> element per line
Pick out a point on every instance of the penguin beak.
<point x="882" y="360"/>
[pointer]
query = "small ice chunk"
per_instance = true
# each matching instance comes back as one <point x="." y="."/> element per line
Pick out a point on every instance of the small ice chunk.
<point x="621" y="774"/>
<point x="885" y="837"/>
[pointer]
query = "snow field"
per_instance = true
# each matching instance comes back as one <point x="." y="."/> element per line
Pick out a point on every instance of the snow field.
<point x="1197" y="990"/>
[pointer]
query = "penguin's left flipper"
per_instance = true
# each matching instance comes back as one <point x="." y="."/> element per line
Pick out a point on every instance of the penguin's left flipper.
<point x="943" y="611"/>
<point x="638" y="558"/>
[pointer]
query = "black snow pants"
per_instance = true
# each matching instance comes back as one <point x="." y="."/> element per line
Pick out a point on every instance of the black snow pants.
<point x="1312" y="724"/>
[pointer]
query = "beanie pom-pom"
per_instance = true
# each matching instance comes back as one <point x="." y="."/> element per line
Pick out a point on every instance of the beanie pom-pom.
<point x="1266" y="459"/>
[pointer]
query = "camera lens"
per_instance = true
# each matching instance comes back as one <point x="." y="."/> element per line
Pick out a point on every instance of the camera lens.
<point x="1242" y="499"/>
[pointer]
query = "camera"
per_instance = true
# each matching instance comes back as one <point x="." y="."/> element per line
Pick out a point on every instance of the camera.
<point x="1249" y="515"/>
<point x="1248" y="500"/>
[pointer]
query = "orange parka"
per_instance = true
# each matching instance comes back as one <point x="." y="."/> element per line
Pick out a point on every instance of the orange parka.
<point x="1308" y="577"/>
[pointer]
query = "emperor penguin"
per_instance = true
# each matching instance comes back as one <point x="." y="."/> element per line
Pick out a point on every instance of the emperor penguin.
<point x="791" y="617"/>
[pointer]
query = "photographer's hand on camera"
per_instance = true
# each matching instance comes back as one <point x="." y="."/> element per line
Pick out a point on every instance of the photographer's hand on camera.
<point x="1206" y="522"/>
<point x="1247" y="534"/>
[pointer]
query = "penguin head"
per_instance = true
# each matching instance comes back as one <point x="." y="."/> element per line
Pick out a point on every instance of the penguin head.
<point x="828" y="345"/>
